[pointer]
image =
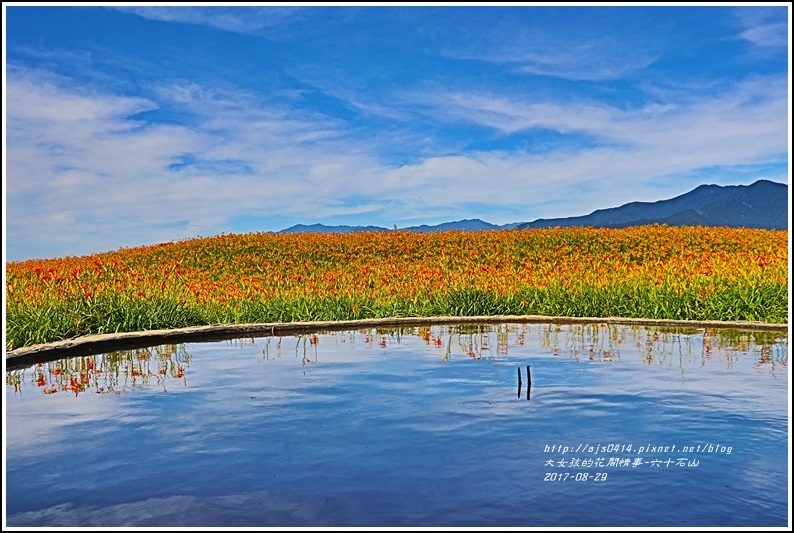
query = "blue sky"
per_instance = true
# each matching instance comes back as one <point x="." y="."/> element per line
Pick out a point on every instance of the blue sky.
<point x="129" y="125"/>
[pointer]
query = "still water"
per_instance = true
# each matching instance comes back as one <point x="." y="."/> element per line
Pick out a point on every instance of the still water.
<point x="609" y="426"/>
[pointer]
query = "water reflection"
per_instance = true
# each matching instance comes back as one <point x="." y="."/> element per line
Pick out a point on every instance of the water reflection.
<point x="158" y="366"/>
<point x="660" y="346"/>
<point x="408" y="427"/>
<point x="167" y="365"/>
<point x="529" y="382"/>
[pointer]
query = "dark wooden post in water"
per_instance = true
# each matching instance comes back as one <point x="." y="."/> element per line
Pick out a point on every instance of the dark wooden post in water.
<point x="519" y="382"/>
<point x="529" y="376"/>
<point x="529" y="382"/>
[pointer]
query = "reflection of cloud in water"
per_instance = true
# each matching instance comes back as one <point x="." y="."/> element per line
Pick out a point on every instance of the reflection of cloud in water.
<point x="185" y="511"/>
<point x="755" y="473"/>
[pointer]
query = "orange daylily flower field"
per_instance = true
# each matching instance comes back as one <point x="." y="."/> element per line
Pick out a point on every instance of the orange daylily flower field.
<point x="689" y="273"/>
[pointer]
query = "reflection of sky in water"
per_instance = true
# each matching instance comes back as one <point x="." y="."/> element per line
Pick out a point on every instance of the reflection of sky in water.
<point x="423" y="426"/>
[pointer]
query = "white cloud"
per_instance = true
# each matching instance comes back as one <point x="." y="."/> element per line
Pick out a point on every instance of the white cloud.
<point x="633" y="149"/>
<point x="91" y="170"/>
<point x="85" y="174"/>
<point x="744" y="121"/>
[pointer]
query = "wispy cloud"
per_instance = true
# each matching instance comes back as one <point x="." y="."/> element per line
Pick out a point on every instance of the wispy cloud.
<point x="514" y="114"/>
<point x="251" y="19"/>
<point x="764" y="27"/>
<point x="750" y="113"/>
<point x="574" y="47"/>
<point x="585" y="61"/>
<point x="773" y="34"/>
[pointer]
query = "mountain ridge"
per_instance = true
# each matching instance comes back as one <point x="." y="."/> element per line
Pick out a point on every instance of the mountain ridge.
<point x="762" y="204"/>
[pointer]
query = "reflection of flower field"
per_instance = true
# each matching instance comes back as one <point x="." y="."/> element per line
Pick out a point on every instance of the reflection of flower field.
<point x="109" y="373"/>
<point x="650" y="271"/>
<point x="594" y="342"/>
<point x="167" y="366"/>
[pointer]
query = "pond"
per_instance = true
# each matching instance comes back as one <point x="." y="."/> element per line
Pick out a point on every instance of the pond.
<point x="509" y="425"/>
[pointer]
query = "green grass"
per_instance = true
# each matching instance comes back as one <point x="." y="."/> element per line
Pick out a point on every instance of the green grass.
<point x="27" y="325"/>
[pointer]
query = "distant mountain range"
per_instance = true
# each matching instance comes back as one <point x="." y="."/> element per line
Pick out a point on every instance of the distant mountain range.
<point x="764" y="204"/>
<point x="474" y="224"/>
